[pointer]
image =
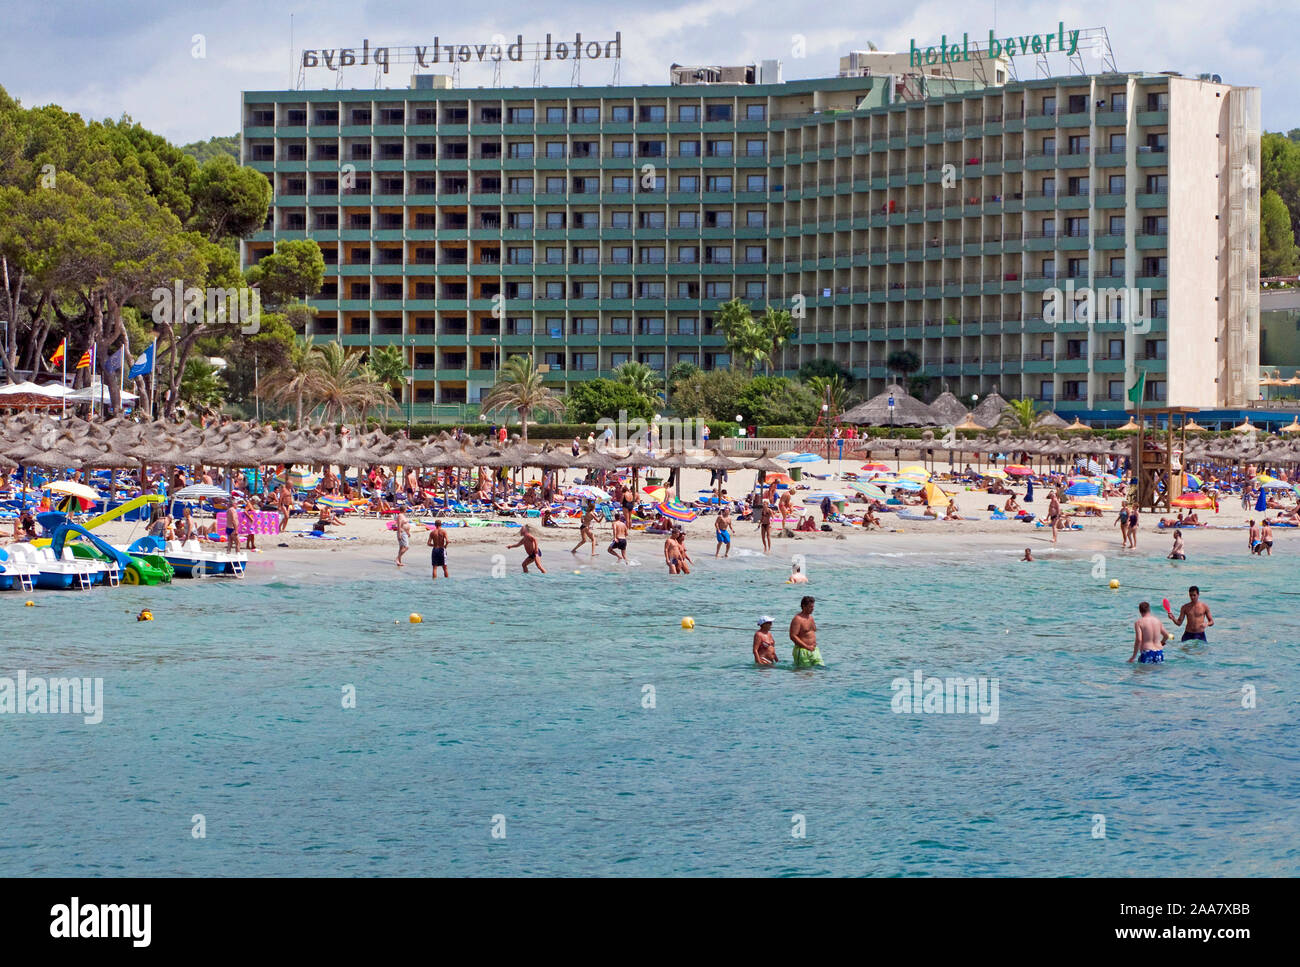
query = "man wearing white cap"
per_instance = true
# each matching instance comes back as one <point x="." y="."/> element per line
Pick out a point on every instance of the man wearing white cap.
<point x="764" y="643"/>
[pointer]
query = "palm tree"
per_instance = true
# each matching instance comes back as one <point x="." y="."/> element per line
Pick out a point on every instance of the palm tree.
<point x="832" y="390"/>
<point x="746" y="339"/>
<point x="344" y="386"/>
<point x="903" y="362"/>
<point x="387" y="365"/>
<point x="1019" y="415"/>
<point x="519" y="388"/>
<point x="642" y="379"/>
<point x="294" y="382"/>
<point x="778" y="327"/>
<point x="202" y="387"/>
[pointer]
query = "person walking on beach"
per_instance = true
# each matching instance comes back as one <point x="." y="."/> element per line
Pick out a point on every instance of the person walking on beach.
<point x="1266" y="537"/>
<point x="764" y="643"/>
<point x="722" y="527"/>
<point x="803" y="632"/>
<point x="403" y="528"/>
<point x="588" y="532"/>
<point x="1196" y="613"/>
<point x="1133" y="527"/>
<point x="1149" y="637"/>
<point x="1252" y="540"/>
<point x="672" y="556"/>
<point x="618" y="546"/>
<point x="1177" y="554"/>
<point x="284" y="503"/>
<point x="765" y="525"/>
<point x="679" y="535"/>
<point x="529" y="541"/>
<point x="1122" y="522"/>
<point x="438" y="556"/>
<point x="1054" y="513"/>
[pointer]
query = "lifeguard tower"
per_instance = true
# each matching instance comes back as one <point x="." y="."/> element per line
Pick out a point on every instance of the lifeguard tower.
<point x="1158" y="457"/>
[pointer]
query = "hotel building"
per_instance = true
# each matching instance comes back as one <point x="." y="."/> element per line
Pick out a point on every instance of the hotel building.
<point x="589" y="226"/>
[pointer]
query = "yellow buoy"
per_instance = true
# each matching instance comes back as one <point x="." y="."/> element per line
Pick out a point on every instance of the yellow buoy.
<point x="29" y="604"/>
<point x="145" y="615"/>
<point x="1114" y="584"/>
<point x="688" y="623"/>
<point x="415" y="618"/>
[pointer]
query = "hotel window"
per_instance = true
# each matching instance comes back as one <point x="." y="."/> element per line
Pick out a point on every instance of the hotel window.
<point x="519" y="290"/>
<point x="658" y="183"/>
<point x="717" y="219"/>
<point x="554" y="290"/>
<point x="586" y="115"/>
<point x="718" y="183"/>
<point x="652" y="220"/>
<point x="719" y="149"/>
<point x="586" y="219"/>
<point x="519" y="326"/>
<point x="620" y="113"/>
<point x="555" y="186"/>
<point x="651" y="255"/>
<point x="1048" y="187"/>
<point x="584" y="361"/>
<point x="1075" y="389"/>
<point x="555" y="219"/>
<point x="1117" y="267"/>
<point x="1159" y="308"/>
<point x="756" y="147"/>
<point x="1048" y="227"/>
<point x="1076" y="227"/>
<point x="688" y="253"/>
<point x="555" y="256"/>
<point x="620" y="219"/>
<point x="1078" y="104"/>
<point x="650" y="326"/>
<point x="1118" y="143"/>
<point x="1115" y="387"/>
<point x="618" y="359"/>
<point x="1079" y="144"/>
<point x="555" y="115"/>
<point x="1156" y="391"/>
<point x="688" y="112"/>
<point x="1157" y="184"/>
<point x="553" y="360"/>
<point x="586" y="255"/>
<point x="1045" y="389"/>
<point x="620" y="255"/>
<point x="521" y="186"/>
<point x="586" y="186"/>
<point x="755" y="219"/>
<point x="520" y="115"/>
<point x="687" y="325"/>
<point x="650" y="290"/>
<point x="519" y="256"/>
<point x="1049" y="105"/>
<point x="1115" y="348"/>
<point x="1158" y="142"/>
<point x="755" y="112"/>
<point x="756" y="182"/>
<point x="1048" y="268"/>
<point x="1049" y="145"/>
<point x="585" y="149"/>
<point x="717" y="112"/>
<point x="620" y="326"/>
<point x="1155" y="266"/>
<point x="651" y="149"/>
<point x="653" y="360"/>
<point x="1115" y="185"/>
<point x="1079" y="185"/>
<point x="1077" y="268"/>
<point x="688" y="149"/>
<point x="687" y="219"/>
<point x="621" y="184"/>
<point x="583" y="326"/>
<point x="585" y="290"/>
<point x="755" y="254"/>
<point x="621" y="149"/>
<point x="1155" y="225"/>
<point x="653" y="112"/>
<point x="1158" y="102"/>
<point x="620" y="290"/>
<point x="718" y="254"/>
<point x="688" y="182"/>
<point x="688" y="290"/>
<point x="717" y="290"/>
<point x="1116" y="224"/>
<point x="755" y="290"/>
<point x="555" y="149"/>
<point x="1119" y="102"/>
<point x="520" y="149"/>
<point x="689" y="359"/>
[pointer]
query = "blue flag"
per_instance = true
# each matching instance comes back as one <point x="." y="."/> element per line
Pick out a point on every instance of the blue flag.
<point x="143" y="365"/>
<point x="114" y="362"/>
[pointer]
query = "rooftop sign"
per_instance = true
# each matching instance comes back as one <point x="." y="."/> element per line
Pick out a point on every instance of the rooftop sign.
<point x="1062" y="42"/>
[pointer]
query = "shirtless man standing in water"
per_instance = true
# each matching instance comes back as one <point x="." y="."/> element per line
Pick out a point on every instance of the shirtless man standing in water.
<point x="529" y="542"/>
<point x="618" y="546"/>
<point x="1149" y="637"/>
<point x="803" y="632"/>
<point x="438" y="556"/>
<point x="1196" y="613"/>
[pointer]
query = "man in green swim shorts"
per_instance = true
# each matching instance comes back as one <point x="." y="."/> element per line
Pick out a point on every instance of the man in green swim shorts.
<point x="803" y="632"/>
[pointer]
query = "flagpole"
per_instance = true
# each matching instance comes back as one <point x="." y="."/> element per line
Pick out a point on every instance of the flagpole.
<point x="63" y="413"/>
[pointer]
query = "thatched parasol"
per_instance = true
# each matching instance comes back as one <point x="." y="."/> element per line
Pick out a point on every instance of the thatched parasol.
<point x="949" y="408"/>
<point x="907" y="411"/>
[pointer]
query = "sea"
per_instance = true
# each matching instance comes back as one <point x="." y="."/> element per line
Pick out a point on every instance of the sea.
<point x="298" y="723"/>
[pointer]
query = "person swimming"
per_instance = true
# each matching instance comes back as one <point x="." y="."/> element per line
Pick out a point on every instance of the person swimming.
<point x="1029" y="555"/>
<point x="764" y="643"/>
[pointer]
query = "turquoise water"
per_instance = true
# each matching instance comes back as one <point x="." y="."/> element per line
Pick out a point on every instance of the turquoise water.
<point x="524" y="698"/>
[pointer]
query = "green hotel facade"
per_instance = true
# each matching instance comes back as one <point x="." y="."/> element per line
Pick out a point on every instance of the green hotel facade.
<point x="589" y="226"/>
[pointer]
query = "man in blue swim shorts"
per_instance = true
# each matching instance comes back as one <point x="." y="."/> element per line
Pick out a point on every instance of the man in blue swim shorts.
<point x="1149" y="637"/>
<point x="723" y="528"/>
<point x="1196" y="613"/>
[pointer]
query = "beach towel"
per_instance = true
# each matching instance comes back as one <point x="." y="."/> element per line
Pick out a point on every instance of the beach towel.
<point x="258" y="522"/>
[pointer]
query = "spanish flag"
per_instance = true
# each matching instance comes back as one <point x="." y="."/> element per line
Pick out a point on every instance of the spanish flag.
<point x="57" y="358"/>
<point x="84" y="361"/>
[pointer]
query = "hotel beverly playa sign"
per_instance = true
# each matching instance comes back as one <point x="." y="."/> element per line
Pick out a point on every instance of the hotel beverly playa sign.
<point x="497" y="50"/>
<point x="1061" y="41"/>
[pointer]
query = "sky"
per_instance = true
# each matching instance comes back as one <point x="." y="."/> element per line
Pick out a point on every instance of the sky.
<point x="180" y="71"/>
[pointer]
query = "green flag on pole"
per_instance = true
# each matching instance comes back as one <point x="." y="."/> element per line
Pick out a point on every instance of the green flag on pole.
<point x="1139" y="388"/>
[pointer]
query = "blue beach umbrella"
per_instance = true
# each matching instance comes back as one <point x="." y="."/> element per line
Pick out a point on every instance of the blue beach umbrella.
<point x="1082" y="488"/>
<point x="805" y="458"/>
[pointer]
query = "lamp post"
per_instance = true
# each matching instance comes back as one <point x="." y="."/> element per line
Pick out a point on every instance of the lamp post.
<point x="740" y="430"/>
<point x="826" y="418"/>
<point x="496" y="357"/>
<point x="410" y="402"/>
